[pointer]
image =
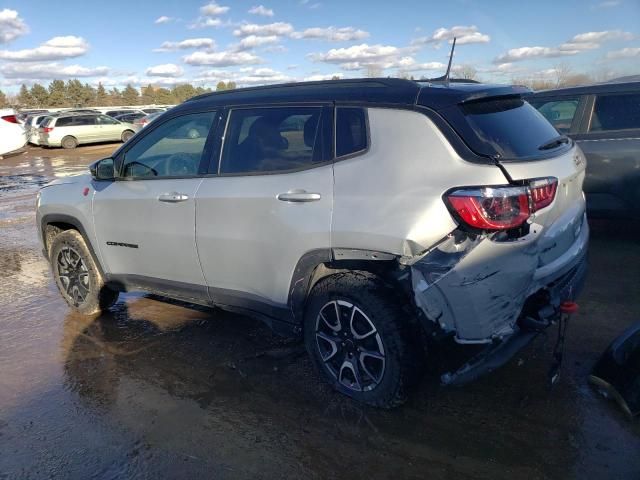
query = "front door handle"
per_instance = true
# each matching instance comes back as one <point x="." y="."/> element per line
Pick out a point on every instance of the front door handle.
<point x="173" y="197"/>
<point x="299" y="196"/>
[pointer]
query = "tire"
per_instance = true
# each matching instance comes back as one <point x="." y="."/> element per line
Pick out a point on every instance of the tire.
<point x="377" y="359"/>
<point x="126" y="135"/>
<point x="69" y="142"/>
<point x="76" y="275"/>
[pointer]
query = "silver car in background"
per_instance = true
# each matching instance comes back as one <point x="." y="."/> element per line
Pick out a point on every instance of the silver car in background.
<point x="68" y="130"/>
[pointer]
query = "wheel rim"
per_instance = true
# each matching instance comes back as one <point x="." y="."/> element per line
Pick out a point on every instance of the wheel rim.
<point x="350" y="346"/>
<point x="73" y="275"/>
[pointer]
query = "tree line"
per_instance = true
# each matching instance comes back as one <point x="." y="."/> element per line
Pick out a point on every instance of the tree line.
<point x="74" y="93"/>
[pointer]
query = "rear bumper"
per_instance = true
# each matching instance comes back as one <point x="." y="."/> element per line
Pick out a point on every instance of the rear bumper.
<point x="478" y="289"/>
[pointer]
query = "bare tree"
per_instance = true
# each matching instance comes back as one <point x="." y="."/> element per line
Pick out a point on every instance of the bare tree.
<point x="467" y="72"/>
<point x="374" y="71"/>
<point x="562" y="71"/>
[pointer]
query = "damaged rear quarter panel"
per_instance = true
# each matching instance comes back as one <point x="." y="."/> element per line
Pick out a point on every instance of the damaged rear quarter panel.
<point x="481" y="294"/>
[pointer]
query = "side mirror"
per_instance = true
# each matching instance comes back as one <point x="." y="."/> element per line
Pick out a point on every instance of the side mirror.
<point x="103" y="169"/>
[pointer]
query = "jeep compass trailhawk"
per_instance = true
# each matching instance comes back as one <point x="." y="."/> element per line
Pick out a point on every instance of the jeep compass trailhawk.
<point x="365" y="216"/>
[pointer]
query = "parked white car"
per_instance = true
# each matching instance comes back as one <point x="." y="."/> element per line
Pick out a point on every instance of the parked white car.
<point x="12" y="134"/>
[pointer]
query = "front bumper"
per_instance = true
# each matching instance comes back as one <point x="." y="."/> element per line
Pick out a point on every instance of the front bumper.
<point x="477" y="288"/>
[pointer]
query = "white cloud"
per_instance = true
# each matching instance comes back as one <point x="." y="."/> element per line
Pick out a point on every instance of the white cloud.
<point x="579" y="43"/>
<point x="11" y="26"/>
<point x="213" y="10"/>
<point x="261" y="10"/>
<point x="628" y="52"/>
<point x="165" y="70"/>
<point x="244" y="76"/>
<point x="221" y="59"/>
<point x="205" y="23"/>
<point x="254" y="41"/>
<point x="357" y="53"/>
<point x="463" y="34"/>
<point x="49" y="70"/>
<point x="163" y="19"/>
<point x="608" y="4"/>
<point x="56" y="48"/>
<point x="186" y="44"/>
<point x="277" y="28"/>
<point x="332" y="34"/>
<point x="320" y="77"/>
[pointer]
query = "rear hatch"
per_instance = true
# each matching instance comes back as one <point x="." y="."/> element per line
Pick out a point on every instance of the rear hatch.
<point x="509" y="130"/>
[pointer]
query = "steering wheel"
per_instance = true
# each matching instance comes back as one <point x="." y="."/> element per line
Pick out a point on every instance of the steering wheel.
<point x="180" y="164"/>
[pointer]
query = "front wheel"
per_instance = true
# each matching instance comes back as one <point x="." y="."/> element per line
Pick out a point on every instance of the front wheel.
<point x="77" y="276"/>
<point x="358" y="336"/>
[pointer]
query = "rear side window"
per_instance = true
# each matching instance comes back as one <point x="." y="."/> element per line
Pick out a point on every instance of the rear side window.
<point x="559" y="111"/>
<point x="351" y="131"/>
<point x="261" y="140"/>
<point x="64" y="122"/>
<point x="504" y="127"/>
<point x="616" y="112"/>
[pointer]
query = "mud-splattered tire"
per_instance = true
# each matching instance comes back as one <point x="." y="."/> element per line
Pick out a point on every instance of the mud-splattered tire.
<point x="359" y="338"/>
<point x="126" y="135"/>
<point x="76" y="275"/>
<point x="69" y="142"/>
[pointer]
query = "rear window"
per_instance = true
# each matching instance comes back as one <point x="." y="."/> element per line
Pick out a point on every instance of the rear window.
<point x="616" y="112"/>
<point x="46" y="121"/>
<point x="505" y="127"/>
<point x="351" y="131"/>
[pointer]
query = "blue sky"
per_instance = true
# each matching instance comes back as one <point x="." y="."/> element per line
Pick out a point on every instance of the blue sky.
<point x="266" y="41"/>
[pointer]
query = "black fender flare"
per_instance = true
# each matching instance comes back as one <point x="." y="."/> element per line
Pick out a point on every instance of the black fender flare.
<point x="77" y="225"/>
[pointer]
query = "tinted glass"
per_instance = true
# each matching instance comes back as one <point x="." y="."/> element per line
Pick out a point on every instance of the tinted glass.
<point x="559" y="112"/>
<point x="84" y="120"/>
<point x="45" y="122"/>
<point x="174" y="149"/>
<point x="508" y="127"/>
<point x="616" y="112"/>
<point x="351" y="131"/>
<point x="271" y="139"/>
<point x="64" y="122"/>
<point x="105" y="120"/>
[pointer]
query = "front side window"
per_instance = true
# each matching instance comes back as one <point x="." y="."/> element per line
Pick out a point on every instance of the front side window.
<point x="559" y="112"/>
<point x="272" y="139"/>
<point x="616" y="112"/>
<point x="174" y="149"/>
<point x="351" y="131"/>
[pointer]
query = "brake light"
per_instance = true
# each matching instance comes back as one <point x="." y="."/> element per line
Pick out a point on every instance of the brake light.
<point x="502" y="208"/>
<point x="10" y="118"/>
<point x="543" y="192"/>
<point x="47" y="129"/>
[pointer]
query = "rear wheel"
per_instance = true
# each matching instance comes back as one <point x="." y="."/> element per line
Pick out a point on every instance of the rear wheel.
<point x="126" y="135"/>
<point x="77" y="276"/>
<point x="358" y="336"/>
<point x="69" y="142"/>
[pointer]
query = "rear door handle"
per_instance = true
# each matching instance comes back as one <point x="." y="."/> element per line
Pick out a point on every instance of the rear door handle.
<point x="173" y="197"/>
<point x="299" y="196"/>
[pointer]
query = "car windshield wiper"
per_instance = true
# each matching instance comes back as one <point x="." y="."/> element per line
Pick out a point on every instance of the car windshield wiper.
<point x="554" y="142"/>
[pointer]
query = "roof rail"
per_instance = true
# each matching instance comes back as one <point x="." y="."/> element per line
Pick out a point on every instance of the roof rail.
<point x="381" y="82"/>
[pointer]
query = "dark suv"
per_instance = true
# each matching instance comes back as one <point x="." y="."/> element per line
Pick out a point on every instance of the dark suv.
<point x="604" y="119"/>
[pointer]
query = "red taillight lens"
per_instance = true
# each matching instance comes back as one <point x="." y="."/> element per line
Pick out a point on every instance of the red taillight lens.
<point x="499" y="208"/>
<point x="10" y="118"/>
<point x="502" y="208"/>
<point x="543" y="192"/>
<point x="47" y="129"/>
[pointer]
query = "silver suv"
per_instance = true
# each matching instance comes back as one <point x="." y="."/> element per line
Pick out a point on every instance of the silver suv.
<point x="369" y="217"/>
<point x="68" y="130"/>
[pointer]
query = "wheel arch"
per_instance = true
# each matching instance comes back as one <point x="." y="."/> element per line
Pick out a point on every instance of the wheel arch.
<point x="315" y="265"/>
<point x="61" y="223"/>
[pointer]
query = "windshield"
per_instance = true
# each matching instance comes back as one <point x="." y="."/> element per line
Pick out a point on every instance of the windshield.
<point x="504" y="127"/>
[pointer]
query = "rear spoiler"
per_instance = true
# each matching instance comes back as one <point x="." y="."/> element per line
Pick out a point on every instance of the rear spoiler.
<point x="438" y="98"/>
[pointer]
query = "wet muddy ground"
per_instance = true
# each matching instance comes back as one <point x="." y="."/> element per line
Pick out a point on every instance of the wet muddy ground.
<point x="160" y="390"/>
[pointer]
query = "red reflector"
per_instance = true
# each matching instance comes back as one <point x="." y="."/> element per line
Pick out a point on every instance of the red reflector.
<point x="10" y="118"/>
<point x="85" y="192"/>
<point x="568" y="307"/>
<point x="47" y="129"/>
<point x="543" y="192"/>
<point x="499" y="208"/>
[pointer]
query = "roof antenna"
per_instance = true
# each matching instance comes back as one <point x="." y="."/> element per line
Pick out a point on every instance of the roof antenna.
<point x="446" y="75"/>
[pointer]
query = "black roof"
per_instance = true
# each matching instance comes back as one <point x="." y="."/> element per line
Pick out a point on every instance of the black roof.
<point x="367" y="90"/>
<point x="608" y="87"/>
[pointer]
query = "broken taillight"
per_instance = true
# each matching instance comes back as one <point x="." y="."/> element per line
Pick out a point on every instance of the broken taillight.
<point x="501" y="208"/>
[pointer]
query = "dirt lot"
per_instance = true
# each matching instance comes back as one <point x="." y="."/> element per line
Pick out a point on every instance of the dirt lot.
<point x="160" y="390"/>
